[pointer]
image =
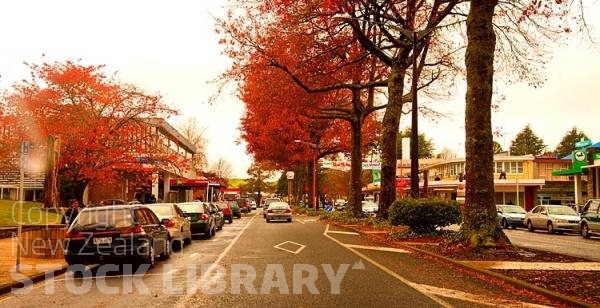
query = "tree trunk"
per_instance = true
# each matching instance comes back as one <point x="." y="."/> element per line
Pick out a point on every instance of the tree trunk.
<point x="51" y="196"/>
<point x="391" y="121"/>
<point x="354" y="201"/>
<point x="479" y="228"/>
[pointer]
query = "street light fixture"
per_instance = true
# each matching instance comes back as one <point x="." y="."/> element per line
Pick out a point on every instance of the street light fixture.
<point x="314" y="171"/>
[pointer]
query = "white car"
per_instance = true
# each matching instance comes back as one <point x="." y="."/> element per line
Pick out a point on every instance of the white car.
<point x="267" y="203"/>
<point x="252" y="204"/>
<point x="175" y="220"/>
<point x="279" y="210"/>
<point x="370" y="207"/>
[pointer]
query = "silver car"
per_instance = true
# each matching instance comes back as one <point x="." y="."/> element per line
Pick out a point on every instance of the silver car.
<point x="554" y="218"/>
<point x="512" y="216"/>
<point x="279" y="210"/>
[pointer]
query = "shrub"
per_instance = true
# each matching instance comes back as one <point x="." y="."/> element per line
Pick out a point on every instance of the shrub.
<point x="424" y="215"/>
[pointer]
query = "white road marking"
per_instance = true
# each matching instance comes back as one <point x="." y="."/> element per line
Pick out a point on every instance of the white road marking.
<point x="193" y="255"/>
<point x="473" y="298"/>
<point x="377" y="248"/>
<point x="387" y="270"/>
<point x="344" y="232"/>
<point x="297" y="251"/>
<point x="301" y="221"/>
<point x="182" y="303"/>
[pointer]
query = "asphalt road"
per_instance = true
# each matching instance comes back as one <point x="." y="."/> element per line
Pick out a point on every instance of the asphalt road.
<point x="252" y="263"/>
<point x="569" y="244"/>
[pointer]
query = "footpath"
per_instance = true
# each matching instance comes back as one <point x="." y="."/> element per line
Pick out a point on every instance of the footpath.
<point x="31" y="269"/>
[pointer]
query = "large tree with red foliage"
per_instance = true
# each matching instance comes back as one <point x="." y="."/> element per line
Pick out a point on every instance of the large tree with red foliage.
<point x="526" y="28"/>
<point x="102" y="123"/>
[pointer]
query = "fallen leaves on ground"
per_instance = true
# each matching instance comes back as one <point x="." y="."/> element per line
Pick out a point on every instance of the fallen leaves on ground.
<point x="580" y="285"/>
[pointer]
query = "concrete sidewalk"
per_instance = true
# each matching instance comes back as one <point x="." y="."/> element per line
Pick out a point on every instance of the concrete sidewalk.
<point x="31" y="269"/>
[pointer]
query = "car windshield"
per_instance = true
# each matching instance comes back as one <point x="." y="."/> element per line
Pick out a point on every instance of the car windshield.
<point x="561" y="210"/>
<point x="278" y="206"/>
<point x="192" y="207"/>
<point x="162" y="210"/>
<point x="103" y="219"/>
<point x="513" y="209"/>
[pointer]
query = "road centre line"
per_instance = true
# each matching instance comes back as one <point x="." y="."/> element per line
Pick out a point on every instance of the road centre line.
<point x="377" y="248"/>
<point x="387" y="270"/>
<point x="182" y="302"/>
<point x="344" y="232"/>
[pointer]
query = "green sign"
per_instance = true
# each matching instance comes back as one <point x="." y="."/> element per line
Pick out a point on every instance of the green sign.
<point x="376" y="175"/>
<point x="579" y="159"/>
<point x="596" y="156"/>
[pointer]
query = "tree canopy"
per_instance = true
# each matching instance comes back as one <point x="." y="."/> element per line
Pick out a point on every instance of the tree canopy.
<point x="567" y="143"/>
<point x="101" y="122"/>
<point x="527" y="143"/>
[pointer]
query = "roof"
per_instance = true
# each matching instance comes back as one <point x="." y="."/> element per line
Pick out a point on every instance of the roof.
<point x="595" y="145"/>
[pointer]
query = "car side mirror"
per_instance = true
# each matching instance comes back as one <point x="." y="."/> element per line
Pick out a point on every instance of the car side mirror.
<point x="164" y="221"/>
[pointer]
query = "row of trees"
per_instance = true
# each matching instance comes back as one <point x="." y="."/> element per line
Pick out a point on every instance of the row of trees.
<point x="333" y="64"/>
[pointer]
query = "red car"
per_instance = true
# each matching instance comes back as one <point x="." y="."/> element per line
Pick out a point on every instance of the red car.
<point x="244" y="204"/>
<point x="225" y="209"/>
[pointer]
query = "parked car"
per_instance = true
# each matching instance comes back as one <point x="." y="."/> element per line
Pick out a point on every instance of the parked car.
<point x="235" y="209"/>
<point x="590" y="219"/>
<point x="219" y="217"/>
<point x="225" y="209"/>
<point x="340" y="204"/>
<point x="267" y="203"/>
<point x="554" y="218"/>
<point x="244" y="204"/>
<point x="116" y="234"/>
<point x="176" y="221"/>
<point x="201" y="219"/>
<point x="279" y="210"/>
<point x="512" y="216"/>
<point x="370" y="207"/>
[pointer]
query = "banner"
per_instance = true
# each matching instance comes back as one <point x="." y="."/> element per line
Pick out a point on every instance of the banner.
<point x="345" y="165"/>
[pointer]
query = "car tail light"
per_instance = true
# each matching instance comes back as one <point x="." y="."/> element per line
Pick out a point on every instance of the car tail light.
<point x="133" y="230"/>
<point x="204" y="217"/>
<point x="74" y="235"/>
<point x="170" y="223"/>
<point x="269" y="211"/>
<point x="288" y="211"/>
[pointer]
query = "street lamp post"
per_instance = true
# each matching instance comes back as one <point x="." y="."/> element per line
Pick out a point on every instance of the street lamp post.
<point x="314" y="172"/>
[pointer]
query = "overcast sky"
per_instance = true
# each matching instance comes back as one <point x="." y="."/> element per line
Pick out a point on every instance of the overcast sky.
<point x="170" y="47"/>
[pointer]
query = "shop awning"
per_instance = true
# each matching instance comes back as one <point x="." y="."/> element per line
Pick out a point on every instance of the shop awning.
<point x="181" y="182"/>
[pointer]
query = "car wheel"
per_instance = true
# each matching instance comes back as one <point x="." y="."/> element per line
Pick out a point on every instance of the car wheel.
<point x="289" y="220"/>
<point x="188" y="240"/>
<point x="230" y="220"/>
<point x="585" y="231"/>
<point x="208" y="234"/>
<point x="268" y="220"/>
<point x="504" y="223"/>
<point x="550" y="228"/>
<point x="151" y="257"/>
<point x="530" y="226"/>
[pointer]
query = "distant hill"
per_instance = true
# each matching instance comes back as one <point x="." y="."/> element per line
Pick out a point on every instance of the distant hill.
<point x="236" y="182"/>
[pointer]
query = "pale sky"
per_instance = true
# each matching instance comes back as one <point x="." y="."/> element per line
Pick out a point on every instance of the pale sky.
<point x="171" y="47"/>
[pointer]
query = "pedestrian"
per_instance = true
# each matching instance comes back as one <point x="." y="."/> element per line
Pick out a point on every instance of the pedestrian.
<point x="70" y="214"/>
